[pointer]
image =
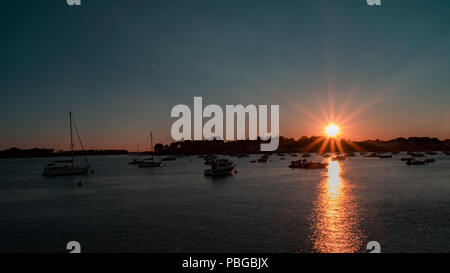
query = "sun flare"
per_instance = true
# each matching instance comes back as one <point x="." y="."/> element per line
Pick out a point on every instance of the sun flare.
<point x="332" y="130"/>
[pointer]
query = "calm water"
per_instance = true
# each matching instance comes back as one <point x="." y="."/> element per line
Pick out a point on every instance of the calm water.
<point x="262" y="208"/>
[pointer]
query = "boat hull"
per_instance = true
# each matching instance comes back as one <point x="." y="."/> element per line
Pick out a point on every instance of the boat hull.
<point x="149" y="164"/>
<point x="222" y="172"/>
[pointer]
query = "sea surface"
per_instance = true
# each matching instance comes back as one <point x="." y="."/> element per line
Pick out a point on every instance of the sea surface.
<point x="264" y="207"/>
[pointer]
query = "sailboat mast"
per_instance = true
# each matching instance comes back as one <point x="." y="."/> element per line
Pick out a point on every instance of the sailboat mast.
<point x="71" y="138"/>
<point x="151" y="142"/>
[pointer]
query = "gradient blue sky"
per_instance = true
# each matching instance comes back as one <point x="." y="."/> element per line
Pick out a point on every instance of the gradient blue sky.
<point x="121" y="66"/>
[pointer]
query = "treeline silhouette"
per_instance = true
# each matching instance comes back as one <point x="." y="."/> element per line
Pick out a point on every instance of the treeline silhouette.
<point x="39" y="152"/>
<point x="286" y="145"/>
<point x="304" y="144"/>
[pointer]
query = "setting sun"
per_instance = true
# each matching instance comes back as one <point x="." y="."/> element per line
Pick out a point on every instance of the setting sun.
<point x="332" y="130"/>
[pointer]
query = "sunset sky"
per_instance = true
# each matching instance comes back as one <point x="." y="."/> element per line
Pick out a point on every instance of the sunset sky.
<point x="120" y="66"/>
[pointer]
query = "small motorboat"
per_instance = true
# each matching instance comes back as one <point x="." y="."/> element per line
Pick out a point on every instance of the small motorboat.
<point x="415" y="162"/>
<point x="304" y="164"/>
<point x="297" y="164"/>
<point x="339" y="158"/>
<point x="372" y="155"/>
<point x="407" y="158"/>
<point x="263" y="159"/>
<point x="429" y="160"/>
<point x="220" y="167"/>
<point x="385" y="156"/>
<point x="306" y="155"/>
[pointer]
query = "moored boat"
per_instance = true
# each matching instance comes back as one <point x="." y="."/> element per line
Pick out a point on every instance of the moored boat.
<point x="58" y="170"/>
<point x="417" y="154"/>
<point x="135" y="161"/>
<point x="149" y="162"/>
<point x="59" y="167"/>
<point x="372" y="155"/>
<point x="304" y="164"/>
<point x="220" y="167"/>
<point x="297" y="164"/>
<point x="429" y="160"/>
<point x="339" y="158"/>
<point x="415" y="162"/>
<point x="263" y="159"/>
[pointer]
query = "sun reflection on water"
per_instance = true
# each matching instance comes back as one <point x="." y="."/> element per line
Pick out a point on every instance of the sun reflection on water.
<point x="335" y="215"/>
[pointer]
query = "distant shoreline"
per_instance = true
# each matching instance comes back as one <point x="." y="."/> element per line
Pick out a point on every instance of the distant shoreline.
<point x="42" y="152"/>
<point x="287" y="145"/>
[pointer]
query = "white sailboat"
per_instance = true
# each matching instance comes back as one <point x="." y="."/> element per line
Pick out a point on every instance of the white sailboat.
<point x="60" y="167"/>
<point x="149" y="162"/>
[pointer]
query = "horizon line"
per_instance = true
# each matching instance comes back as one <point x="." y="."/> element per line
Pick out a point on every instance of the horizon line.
<point x="228" y="141"/>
